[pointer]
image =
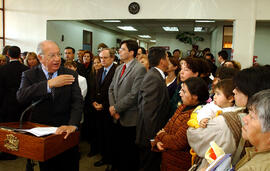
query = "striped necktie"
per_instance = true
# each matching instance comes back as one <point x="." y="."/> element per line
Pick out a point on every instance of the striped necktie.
<point x="103" y="75"/>
<point x="52" y="89"/>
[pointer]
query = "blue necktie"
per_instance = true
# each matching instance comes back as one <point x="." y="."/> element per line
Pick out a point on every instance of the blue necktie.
<point x="103" y="75"/>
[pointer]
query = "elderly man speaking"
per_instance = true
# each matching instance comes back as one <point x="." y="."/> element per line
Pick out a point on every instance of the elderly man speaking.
<point x="61" y="101"/>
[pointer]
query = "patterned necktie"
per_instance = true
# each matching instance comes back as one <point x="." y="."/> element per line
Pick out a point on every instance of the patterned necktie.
<point x="52" y="89"/>
<point x="123" y="70"/>
<point x="103" y="75"/>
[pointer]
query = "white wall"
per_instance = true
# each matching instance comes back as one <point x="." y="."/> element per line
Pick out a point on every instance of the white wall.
<point x="26" y="19"/>
<point x="262" y="43"/>
<point x="73" y="34"/>
<point x="171" y="41"/>
<point x="216" y="41"/>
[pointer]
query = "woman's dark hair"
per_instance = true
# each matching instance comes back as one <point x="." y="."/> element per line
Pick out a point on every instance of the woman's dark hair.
<point x="252" y="80"/>
<point x="197" y="65"/>
<point x="226" y="73"/>
<point x="169" y="54"/>
<point x="198" y="87"/>
<point x="194" y="65"/>
<point x="5" y="50"/>
<point x="176" y="50"/>
<point x="175" y="62"/>
<point x="205" y="67"/>
<point x="143" y="50"/>
<point x="90" y="53"/>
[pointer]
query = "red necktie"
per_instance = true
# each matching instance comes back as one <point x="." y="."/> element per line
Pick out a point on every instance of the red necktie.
<point x="123" y="70"/>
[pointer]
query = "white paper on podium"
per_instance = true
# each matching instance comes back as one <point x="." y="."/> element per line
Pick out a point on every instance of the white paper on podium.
<point x="40" y="131"/>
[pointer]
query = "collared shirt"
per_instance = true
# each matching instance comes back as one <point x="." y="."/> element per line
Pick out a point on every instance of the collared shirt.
<point x="55" y="74"/>
<point x="108" y="68"/>
<point x="11" y="60"/>
<point x="161" y="72"/>
<point x="222" y="63"/>
<point x="128" y="64"/>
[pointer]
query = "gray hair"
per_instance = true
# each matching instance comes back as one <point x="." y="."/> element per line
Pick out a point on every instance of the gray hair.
<point x="41" y="44"/>
<point x="111" y="51"/>
<point x="260" y="102"/>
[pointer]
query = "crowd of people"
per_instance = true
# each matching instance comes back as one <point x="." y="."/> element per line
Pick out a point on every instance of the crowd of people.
<point x="146" y="110"/>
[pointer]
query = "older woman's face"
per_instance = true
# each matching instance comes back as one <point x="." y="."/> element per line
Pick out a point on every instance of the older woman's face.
<point x="252" y="129"/>
<point x="240" y="98"/>
<point x="186" y="97"/>
<point x="186" y="73"/>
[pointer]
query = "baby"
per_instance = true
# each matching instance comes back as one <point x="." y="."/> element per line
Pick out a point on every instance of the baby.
<point x="223" y="102"/>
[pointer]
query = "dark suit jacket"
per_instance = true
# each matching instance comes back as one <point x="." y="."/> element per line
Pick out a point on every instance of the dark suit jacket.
<point x="88" y="70"/>
<point x="101" y="89"/>
<point x="64" y="109"/>
<point x="153" y="104"/>
<point x="10" y="79"/>
<point x="81" y="69"/>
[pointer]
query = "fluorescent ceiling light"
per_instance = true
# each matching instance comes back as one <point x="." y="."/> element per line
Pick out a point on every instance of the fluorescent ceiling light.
<point x="170" y="28"/>
<point x="127" y="28"/>
<point x="198" y="29"/>
<point x="154" y="41"/>
<point x="111" y="21"/>
<point x="205" y="21"/>
<point x="145" y="36"/>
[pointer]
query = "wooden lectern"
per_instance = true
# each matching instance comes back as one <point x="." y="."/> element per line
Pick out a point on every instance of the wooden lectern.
<point x="32" y="147"/>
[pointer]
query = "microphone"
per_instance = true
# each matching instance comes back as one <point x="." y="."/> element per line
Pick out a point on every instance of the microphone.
<point x="28" y="108"/>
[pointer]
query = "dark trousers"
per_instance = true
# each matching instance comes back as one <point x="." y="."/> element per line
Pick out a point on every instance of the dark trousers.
<point x="68" y="161"/>
<point x="125" y="152"/>
<point x="104" y="125"/>
<point x="90" y="128"/>
<point x="149" y="160"/>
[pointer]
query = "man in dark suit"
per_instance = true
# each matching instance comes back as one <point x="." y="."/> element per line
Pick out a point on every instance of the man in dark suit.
<point x="10" y="78"/>
<point x="153" y="108"/>
<point x="123" y="97"/>
<point x="222" y="57"/>
<point x="100" y="102"/>
<point x="61" y="101"/>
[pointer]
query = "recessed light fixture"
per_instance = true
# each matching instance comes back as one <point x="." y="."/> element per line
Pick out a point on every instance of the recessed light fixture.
<point x="154" y="41"/>
<point x="198" y="29"/>
<point x="111" y="21"/>
<point x="127" y="28"/>
<point x="145" y="36"/>
<point x="205" y="21"/>
<point x="170" y="28"/>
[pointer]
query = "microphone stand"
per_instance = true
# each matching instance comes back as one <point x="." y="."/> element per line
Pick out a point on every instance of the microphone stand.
<point x="27" y="109"/>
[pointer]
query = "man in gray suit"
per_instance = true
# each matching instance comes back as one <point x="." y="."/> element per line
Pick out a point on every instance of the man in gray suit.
<point x="153" y="108"/>
<point x="123" y="98"/>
